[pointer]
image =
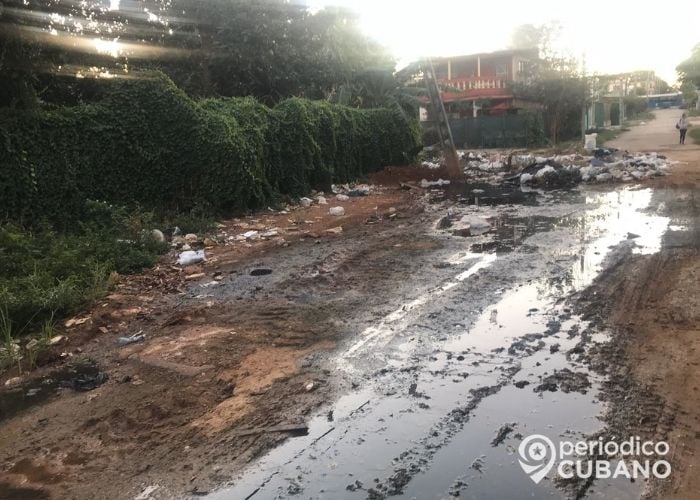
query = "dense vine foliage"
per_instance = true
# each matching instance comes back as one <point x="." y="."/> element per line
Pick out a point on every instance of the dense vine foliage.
<point x="145" y="141"/>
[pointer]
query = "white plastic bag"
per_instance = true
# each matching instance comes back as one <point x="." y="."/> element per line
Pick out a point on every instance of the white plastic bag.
<point x="590" y="142"/>
<point x="191" y="257"/>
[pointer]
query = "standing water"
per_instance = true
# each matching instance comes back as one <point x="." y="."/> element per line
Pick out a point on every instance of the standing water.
<point x="454" y="378"/>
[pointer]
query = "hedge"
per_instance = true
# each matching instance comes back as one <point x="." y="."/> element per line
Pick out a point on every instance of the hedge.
<point x="145" y="141"/>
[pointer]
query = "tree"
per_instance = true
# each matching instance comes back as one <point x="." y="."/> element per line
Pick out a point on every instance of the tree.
<point x="271" y="49"/>
<point x="554" y="81"/>
<point x="689" y="70"/>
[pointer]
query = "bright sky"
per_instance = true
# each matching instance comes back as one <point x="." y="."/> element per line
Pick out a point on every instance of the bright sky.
<point x="614" y="36"/>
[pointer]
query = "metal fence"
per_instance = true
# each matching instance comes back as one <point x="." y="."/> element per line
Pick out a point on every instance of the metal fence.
<point x="498" y="131"/>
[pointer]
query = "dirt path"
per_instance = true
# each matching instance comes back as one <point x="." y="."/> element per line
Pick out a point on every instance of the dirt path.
<point x="654" y="303"/>
<point x="391" y="358"/>
<point x="658" y="134"/>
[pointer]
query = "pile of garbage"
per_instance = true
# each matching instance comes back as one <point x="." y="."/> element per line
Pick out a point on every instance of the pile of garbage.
<point x="601" y="165"/>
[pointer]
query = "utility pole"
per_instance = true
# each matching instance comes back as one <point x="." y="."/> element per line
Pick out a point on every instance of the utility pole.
<point x="443" y="124"/>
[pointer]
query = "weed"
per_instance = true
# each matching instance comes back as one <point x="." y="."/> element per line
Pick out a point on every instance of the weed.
<point x="10" y="351"/>
<point x="694" y="134"/>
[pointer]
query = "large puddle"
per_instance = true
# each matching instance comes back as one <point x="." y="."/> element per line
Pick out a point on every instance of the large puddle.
<point x="454" y="378"/>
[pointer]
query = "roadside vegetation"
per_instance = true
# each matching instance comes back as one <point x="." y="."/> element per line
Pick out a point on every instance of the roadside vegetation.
<point x="694" y="133"/>
<point x="244" y="105"/>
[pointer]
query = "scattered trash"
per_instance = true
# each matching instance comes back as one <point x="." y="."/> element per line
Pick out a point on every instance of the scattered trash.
<point x="191" y="238"/>
<point x="260" y="272"/>
<point x="137" y="337"/>
<point x="561" y="171"/>
<point x="76" y="321"/>
<point x="424" y="183"/>
<point x="342" y="197"/>
<point x="11" y="382"/>
<point x="334" y="230"/>
<point x="189" y="257"/>
<point x="589" y="143"/>
<point x="337" y="211"/>
<point x="55" y="340"/>
<point x="305" y="202"/>
<point x="321" y="200"/>
<point x="195" y="276"/>
<point x="359" y="191"/>
<point x="250" y="235"/>
<point x="309" y="387"/>
<point x="430" y="164"/>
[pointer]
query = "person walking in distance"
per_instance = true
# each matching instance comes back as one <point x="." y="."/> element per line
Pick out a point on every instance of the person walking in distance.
<point x="682" y="127"/>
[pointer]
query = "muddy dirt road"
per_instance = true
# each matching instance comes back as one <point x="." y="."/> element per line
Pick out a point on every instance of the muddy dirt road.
<point x="394" y="359"/>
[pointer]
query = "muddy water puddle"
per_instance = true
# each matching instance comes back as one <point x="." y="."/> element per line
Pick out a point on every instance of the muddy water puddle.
<point x="451" y="381"/>
<point x="78" y="376"/>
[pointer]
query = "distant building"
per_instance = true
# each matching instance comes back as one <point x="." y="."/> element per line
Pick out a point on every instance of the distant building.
<point x="635" y="83"/>
<point x="480" y="84"/>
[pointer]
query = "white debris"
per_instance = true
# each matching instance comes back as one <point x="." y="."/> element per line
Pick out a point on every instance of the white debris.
<point x="424" y="183"/>
<point x="305" y="202"/>
<point x="525" y="178"/>
<point x="321" y="200"/>
<point x="158" y="235"/>
<point x="342" y="197"/>
<point x="545" y="171"/>
<point x="603" y="177"/>
<point x="430" y="164"/>
<point x="190" y="257"/>
<point x="337" y="211"/>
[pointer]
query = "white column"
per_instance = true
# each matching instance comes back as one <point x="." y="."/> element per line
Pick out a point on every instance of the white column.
<point x="478" y="66"/>
<point x="449" y="69"/>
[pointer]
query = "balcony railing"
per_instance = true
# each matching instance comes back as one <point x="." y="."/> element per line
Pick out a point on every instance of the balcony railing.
<point x="477" y="83"/>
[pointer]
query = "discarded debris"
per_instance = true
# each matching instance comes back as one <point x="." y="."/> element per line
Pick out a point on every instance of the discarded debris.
<point x="305" y="202"/>
<point x="76" y="321"/>
<point x="424" y="183"/>
<point x="338" y="211"/>
<point x="137" y="337"/>
<point x="195" y="276"/>
<point x="189" y="257"/>
<point x="334" y="230"/>
<point x="342" y="197"/>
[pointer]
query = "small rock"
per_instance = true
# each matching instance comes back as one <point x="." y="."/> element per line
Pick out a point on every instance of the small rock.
<point x="310" y="387"/>
<point x="305" y="202"/>
<point x="321" y="200"/>
<point x="342" y="197"/>
<point x="191" y="238"/>
<point x="334" y="230"/>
